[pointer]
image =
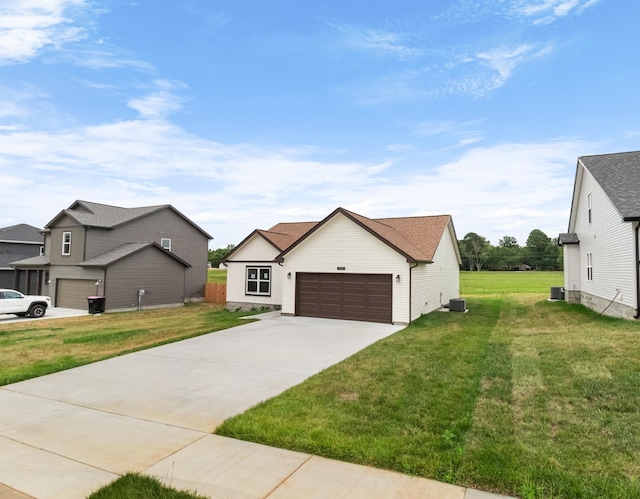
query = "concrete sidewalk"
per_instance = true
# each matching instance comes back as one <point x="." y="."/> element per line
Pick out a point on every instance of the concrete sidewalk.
<point x="67" y="434"/>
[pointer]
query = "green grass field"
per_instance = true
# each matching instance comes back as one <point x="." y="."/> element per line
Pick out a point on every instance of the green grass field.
<point x="33" y="348"/>
<point x="500" y="283"/>
<point x="519" y="396"/>
<point x="217" y="275"/>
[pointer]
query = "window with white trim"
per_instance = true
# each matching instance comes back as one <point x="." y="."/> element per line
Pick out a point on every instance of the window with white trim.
<point x="258" y="281"/>
<point x="589" y="266"/>
<point x="66" y="243"/>
<point x="165" y="242"/>
<point x="589" y="207"/>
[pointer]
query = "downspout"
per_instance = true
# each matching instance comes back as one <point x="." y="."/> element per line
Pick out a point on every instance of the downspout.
<point x="637" y="272"/>
<point x="410" y="288"/>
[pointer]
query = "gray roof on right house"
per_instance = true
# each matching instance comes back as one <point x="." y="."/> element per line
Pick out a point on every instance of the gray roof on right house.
<point x="619" y="176"/>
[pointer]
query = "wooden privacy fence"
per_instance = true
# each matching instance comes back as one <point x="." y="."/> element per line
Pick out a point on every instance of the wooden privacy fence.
<point x="215" y="292"/>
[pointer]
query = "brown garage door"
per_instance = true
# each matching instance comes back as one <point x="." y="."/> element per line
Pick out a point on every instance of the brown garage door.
<point x="358" y="297"/>
<point x="72" y="293"/>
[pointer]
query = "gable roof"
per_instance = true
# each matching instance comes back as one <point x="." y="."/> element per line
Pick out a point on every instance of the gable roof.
<point x="125" y="250"/>
<point x="104" y="216"/>
<point x="280" y="236"/>
<point x="416" y="238"/>
<point x="21" y="233"/>
<point x="283" y="235"/>
<point x="619" y="176"/>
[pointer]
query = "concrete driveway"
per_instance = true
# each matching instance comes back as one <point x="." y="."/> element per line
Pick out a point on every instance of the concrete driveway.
<point x="52" y="313"/>
<point x="67" y="434"/>
<point x="64" y="435"/>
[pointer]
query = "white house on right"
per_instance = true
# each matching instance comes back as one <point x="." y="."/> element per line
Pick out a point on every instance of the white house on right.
<point x="601" y="248"/>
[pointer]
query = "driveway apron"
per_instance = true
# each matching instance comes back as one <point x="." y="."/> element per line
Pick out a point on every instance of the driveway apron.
<point x="66" y="434"/>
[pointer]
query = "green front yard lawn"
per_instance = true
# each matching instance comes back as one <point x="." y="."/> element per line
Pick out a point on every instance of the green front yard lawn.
<point x="519" y="396"/>
<point x="33" y="348"/>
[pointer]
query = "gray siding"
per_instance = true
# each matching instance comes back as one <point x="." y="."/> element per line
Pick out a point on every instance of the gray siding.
<point x="159" y="275"/>
<point x="7" y="278"/>
<point x="12" y="252"/>
<point x="187" y="242"/>
<point x="77" y="242"/>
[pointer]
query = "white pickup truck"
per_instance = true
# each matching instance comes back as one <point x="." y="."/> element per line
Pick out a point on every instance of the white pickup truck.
<point x="14" y="302"/>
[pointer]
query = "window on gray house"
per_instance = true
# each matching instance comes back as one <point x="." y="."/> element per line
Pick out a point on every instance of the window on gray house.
<point x="166" y="243"/>
<point x="589" y="267"/>
<point x="589" y="206"/>
<point x="66" y="243"/>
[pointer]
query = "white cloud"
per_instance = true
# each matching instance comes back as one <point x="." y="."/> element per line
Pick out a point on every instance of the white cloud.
<point x="232" y="189"/>
<point x="106" y="57"/>
<point x="504" y="60"/>
<point x="378" y="42"/>
<point x="159" y="103"/>
<point x="548" y="11"/>
<point x="29" y="26"/>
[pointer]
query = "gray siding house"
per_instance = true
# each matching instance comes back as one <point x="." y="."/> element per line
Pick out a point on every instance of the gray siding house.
<point x="145" y="257"/>
<point x="18" y="242"/>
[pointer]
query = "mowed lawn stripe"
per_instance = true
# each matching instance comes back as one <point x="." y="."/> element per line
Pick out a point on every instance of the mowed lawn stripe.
<point x="519" y="396"/>
<point x="405" y="403"/>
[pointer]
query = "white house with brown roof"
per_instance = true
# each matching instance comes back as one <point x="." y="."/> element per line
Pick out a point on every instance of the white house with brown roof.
<point x="348" y="266"/>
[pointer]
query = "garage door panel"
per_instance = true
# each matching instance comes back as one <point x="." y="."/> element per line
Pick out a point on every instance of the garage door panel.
<point x="364" y="297"/>
<point x="73" y="293"/>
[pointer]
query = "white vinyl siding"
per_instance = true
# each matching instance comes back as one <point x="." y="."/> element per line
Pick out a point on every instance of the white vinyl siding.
<point x="340" y="243"/>
<point x="571" y="267"/>
<point x="434" y="284"/>
<point x="256" y="252"/>
<point x="609" y="240"/>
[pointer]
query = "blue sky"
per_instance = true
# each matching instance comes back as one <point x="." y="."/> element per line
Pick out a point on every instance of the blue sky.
<point x="243" y="114"/>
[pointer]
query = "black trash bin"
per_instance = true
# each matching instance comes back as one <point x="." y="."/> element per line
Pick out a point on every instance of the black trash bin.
<point x="96" y="304"/>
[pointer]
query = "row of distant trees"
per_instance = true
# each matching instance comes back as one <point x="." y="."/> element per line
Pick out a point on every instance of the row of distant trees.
<point x="540" y="253"/>
<point x="216" y="256"/>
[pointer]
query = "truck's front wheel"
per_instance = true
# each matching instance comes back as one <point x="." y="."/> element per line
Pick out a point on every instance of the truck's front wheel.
<point x="37" y="311"/>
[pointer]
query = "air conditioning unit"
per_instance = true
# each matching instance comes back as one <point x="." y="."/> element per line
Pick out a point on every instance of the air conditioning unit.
<point x="557" y="293"/>
<point x="457" y="305"/>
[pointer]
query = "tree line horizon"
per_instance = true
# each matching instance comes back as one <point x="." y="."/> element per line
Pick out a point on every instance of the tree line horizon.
<point x="539" y="253"/>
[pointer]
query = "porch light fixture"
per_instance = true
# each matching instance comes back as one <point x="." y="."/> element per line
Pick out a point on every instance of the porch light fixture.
<point x="398" y="278"/>
<point x="289" y="275"/>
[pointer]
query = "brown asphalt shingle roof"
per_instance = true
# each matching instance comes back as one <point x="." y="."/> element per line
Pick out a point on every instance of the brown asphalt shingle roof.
<point x="416" y="238"/>
<point x="422" y="233"/>
<point x="283" y="235"/>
